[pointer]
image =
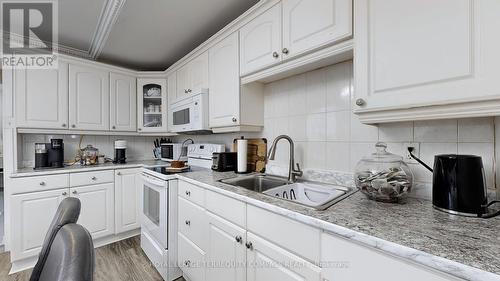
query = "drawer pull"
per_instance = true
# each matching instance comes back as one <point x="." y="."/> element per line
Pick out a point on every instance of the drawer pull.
<point x="42" y="183"/>
<point x="187" y="263"/>
<point x="188" y="222"/>
<point x="238" y="239"/>
<point x="64" y="193"/>
<point x="94" y="178"/>
<point x="188" y="193"/>
<point x="119" y="174"/>
<point x="249" y="245"/>
<point x="75" y="192"/>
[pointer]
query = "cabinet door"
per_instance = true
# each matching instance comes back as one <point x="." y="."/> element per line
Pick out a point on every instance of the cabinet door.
<point x="224" y="98"/>
<point x="123" y="102"/>
<point x="198" y="74"/>
<point x="362" y="263"/>
<point x="225" y="247"/>
<point x="88" y="98"/>
<point x="191" y="259"/>
<point x="434" y="55"/>
<point x="311" y="24"/>
<point x="260" y="41"/>
<point x="182" y="81"/>
<point x="31" y="215"/>
<point x="127" y="200"/>
<point x="267" y="261"/>
<point x="97" y="212"/>
<point x="42" y="97"/>
<point x="171" y="94"/>
<point x="152" y="105"/>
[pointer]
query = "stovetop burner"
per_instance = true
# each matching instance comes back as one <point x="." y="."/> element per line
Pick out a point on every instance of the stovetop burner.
<point x="167" y="171"/>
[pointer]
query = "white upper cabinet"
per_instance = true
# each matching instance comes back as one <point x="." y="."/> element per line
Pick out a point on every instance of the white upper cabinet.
<point x="42" y="97"/>
<point x="260" y="41"/>
<point x="426" y="60"/>
<point x="224" y="98"/>
<point x="123" y="102"/>
<point x="152" y="105"/>
<point x="193" y="76"/>
<point x="88" y="98"/>
<point x="310" y="24"/>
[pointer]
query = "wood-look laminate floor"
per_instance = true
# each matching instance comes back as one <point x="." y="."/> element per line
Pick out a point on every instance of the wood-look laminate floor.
<point x="119" y="261"/>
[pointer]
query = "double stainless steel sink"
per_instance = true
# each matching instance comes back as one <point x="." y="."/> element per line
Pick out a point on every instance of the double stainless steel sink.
<point x="315" y="195"/>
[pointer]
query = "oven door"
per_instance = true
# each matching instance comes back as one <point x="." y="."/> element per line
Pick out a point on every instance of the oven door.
<point x="182" y="116"/>
<point x="154" y="217"/>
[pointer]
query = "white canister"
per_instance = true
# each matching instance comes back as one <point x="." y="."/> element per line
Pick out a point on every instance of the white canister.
<point x="242" y="148"/>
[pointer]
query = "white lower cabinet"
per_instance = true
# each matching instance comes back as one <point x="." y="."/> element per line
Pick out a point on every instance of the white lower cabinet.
<point x="267" y="261"/>
<point x="31" y="215"/>
<point x="191" y="259"/>
<point x="127" y="200"/>
<point x="97" y="211"/>
<point x="226" y="252"/>
<point x="348" y="261"/>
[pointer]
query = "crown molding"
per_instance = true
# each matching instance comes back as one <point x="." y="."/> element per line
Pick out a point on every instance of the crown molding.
<point x="107" y="19"/>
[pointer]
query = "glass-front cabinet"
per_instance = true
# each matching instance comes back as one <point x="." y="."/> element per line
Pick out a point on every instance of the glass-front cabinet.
<point x="152" y="105"/>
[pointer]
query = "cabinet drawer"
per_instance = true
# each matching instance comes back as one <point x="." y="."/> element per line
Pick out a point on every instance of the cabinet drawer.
<point x="89" y="178"/>
<point x="192" y="193"/>
<point x="226" y="207"/>
<point x="191" y="259"/>
<point x="30" y="184"/>
<point x="193" y="222"/>
<point x="294" y="236"/>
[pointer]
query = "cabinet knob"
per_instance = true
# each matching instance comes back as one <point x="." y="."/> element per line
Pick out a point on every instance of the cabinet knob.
<point x="249" y="245"/>
<point x="139" y="129"/>
<point x="64" y="193"/>
<point x="360" y="102"/>
<point x="234" y="119"/>
<point x="94" y="178"/>
<point x="185" y="91"/>
<point x="188" y="222"/>
<point x="73" y="126"/>
<point x="285" y="51"/>
<point x="187" y="263"/>
<point x="238" y="239"/>
<point x="114" y="127"/>
<point x="275" y="55"/>
<point x="119" y="174"/>
<point x="188" y="193"/>
<point x="189" y="90"/>
<point x="75" y="192"/>
<point x="42" y="183"/>
<point x="63" y="125"/>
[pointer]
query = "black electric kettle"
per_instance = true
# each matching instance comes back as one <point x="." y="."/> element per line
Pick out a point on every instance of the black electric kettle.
<point x="459" y="185"/>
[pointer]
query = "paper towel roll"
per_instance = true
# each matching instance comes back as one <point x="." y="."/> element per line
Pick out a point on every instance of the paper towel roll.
<point x="242" y="148"/>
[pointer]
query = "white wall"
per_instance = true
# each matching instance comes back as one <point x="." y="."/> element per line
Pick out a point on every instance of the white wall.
<point x="315" y="110"/>
<point x="138" y="148"/>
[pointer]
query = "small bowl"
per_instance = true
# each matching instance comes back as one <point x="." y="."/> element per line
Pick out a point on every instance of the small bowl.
<point x="177" y="164"/>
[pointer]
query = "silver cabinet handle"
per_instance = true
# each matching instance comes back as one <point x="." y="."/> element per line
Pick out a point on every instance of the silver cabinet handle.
<point x="249" y="245"/>
<point x="93" y="178"/>
<point x="64" y="125"/>
<point x="73" y="126"/>
<point x="285" y="51"/>
<point x="188" y="193"/>
<point x="360" y="102"/>
<point x="64" y="193"/>
<point x="42" y="183"/>
<point x="275" y="55"/>
<point x="119" y="174"/>
<point x="139" y="129"/>
<point x="185" y="91"/>
<point x="238" y="239"/>
<point x="188" y="222"/>
<point x="189" y="91"/>
<point x="75" y="192"/>
<point x="234" y="119"/>
<point x="187" y="263"/>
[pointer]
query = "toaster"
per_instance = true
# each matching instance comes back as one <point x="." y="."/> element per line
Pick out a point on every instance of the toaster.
<point x="224" y="161"/>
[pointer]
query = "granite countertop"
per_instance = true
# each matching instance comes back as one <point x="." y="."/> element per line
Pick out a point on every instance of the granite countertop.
<point x="468" y="248"/>
<point x="28" y="172"/>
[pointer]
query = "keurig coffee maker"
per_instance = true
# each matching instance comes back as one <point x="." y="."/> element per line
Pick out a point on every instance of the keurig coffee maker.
<point x="41" y="155"/>
<point x="120" y="148"/>
<point x="56" y="153"/>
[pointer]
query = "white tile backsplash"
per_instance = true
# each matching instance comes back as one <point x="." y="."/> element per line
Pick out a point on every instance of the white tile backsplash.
<point x="436" y="131"/>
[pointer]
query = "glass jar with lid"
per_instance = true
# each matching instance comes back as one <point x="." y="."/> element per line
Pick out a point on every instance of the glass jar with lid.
<point x="90" y="155"/>
<point x="383" y="176"/>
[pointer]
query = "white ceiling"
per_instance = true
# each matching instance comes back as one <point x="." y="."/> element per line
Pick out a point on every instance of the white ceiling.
<point x="139" y="34"/>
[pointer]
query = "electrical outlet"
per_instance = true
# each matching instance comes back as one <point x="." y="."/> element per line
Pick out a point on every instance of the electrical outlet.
<point x="416" y="151"/>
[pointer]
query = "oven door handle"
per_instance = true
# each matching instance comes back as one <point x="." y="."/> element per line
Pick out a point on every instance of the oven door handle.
<point x="148" y="179"/>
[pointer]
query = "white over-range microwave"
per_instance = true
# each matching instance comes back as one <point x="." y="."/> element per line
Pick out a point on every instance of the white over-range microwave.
<point x="190" y="114"/>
